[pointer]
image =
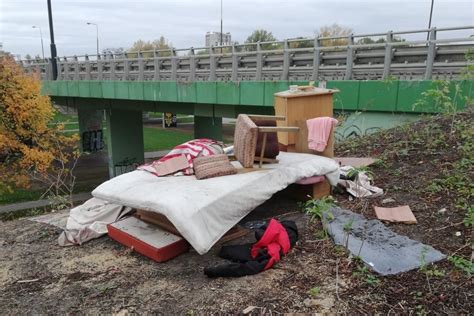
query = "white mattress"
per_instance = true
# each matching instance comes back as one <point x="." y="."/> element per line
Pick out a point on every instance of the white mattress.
<point x="204" y="210"/>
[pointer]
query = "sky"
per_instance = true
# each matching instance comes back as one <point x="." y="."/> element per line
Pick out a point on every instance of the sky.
<point x="185" y="22"/>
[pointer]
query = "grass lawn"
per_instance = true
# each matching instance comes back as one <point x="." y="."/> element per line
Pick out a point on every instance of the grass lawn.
<point x="156" y="138"/>
<point x="161" y="139"/>
<point x="63" y="118"/>
<point x="70" y="121"/>
<point x="19" y="195"/>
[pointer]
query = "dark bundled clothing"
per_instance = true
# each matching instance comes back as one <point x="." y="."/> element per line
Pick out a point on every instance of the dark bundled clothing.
<point x="274" y="240"/>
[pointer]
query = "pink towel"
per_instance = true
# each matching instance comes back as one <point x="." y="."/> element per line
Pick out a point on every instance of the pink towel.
<point x="319" y="130"/>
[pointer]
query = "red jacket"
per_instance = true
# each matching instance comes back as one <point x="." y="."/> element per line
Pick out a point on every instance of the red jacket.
<point x="275" y="239"/>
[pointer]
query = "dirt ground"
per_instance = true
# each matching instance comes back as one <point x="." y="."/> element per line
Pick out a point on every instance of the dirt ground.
<point x="104" y="277"/>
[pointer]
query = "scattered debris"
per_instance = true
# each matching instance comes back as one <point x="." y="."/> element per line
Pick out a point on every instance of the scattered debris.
<point x="389" y="200"/>
<point x="358" y="183"/>
<point x="249" y="309"/>
<point x="325" y="303"/>
<point x="442" y="211"/>
<point x="27" y="281"/>
<point x="399" y="214"/>
<point x="89" y="221"/>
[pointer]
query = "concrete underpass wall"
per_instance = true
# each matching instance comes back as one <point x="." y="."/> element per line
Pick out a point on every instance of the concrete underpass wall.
<point x="124" y="140"/>
<point x="365" y="123"/>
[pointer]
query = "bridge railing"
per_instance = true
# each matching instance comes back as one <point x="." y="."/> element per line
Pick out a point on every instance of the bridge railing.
<point x="320" y="58"/>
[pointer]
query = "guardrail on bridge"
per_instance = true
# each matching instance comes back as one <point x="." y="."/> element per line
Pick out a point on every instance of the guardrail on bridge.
<point x="292" y="59"/>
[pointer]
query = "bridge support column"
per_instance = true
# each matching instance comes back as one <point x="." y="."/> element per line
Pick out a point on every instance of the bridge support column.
<point x="208" y="127"/>
<point x="124" y="140"/>
<point x="90" y="130"/>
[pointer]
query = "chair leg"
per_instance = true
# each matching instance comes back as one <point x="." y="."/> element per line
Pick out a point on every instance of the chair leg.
<point x="262" y="152"/>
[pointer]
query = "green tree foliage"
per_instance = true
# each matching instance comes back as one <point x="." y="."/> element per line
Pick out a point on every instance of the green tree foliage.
<point x="301" y="44"/>
<point x="368" y="40"/>
<point x="29" y="146"/>
<point x="263" y="36"/>
<point x="334" y="30"/>
<point x="149" y="46"/>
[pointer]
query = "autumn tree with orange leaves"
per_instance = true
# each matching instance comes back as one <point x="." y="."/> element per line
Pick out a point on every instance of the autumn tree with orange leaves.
<point x="29" y="147"/>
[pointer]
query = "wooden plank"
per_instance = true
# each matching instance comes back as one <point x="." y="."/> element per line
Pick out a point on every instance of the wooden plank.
<point x="234" y="233"/>
<point x="158" y="220"/>
<point x="312" y="191"/>
<point x="262" y="151"/>
<point x="162" y="222"/>
<point x="270" y="160"/>
<point x="302" y="93"/>
<point x="266" y="117"/>
<point x="321" y="189"/>
<point x="273" y="129"/>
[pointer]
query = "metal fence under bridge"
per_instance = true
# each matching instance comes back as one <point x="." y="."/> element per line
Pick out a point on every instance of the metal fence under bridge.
<point x="293" y="59"/>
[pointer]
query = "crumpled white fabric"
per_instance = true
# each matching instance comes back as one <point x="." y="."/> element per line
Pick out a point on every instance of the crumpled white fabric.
<point x="204" y="210"/>
<point x="361" y="186"/>
<point x="89" y="221"/>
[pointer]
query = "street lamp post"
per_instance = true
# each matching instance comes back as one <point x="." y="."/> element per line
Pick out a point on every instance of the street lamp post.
<point x="97" y="35"/>
<point x="221" y="29"/>
<point x="54" y="53"/>
<point x="41" y="34"/>
<point x="221" y="25"/>
<point x="429" y="22"/>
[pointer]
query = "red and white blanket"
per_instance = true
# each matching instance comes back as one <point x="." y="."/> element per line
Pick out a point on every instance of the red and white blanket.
<point x="191" y="150"/>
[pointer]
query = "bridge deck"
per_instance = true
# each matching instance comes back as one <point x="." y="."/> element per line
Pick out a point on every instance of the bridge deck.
<point x="205" y="98"/>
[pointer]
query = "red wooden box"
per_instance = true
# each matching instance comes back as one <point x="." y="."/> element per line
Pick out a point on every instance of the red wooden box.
<point x="147" y="239"/>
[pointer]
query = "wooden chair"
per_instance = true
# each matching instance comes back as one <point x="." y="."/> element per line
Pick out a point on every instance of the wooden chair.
<point x="245" y="141"/>
<point x="246" y="135"/>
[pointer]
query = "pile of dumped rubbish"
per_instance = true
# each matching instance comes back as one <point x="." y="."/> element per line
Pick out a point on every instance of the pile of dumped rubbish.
<point x="156" y="237"/>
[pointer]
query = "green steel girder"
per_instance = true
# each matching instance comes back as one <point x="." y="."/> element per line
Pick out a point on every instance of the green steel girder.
<point x="225" y="98"/>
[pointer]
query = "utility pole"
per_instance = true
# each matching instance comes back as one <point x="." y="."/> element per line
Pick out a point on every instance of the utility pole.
<point x="221" y="28"/>
<point x="429" y="23"/>
<point x="53" y="46"/>
<point x="97" y="35"/>
<point x="41" y="34"/>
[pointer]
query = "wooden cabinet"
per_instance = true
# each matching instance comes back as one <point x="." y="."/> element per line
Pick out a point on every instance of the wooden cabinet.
<point x="297" y="107"/>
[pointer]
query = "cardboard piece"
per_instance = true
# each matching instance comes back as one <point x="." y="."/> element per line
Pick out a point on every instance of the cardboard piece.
<point x="146" y="239"/>
<point x="400" y="214"/>
<point x="354" y="161"/>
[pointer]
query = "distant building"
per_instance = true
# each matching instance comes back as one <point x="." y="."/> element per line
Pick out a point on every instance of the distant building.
<point x="214" y="38"/>
<point x="112" y="51"/>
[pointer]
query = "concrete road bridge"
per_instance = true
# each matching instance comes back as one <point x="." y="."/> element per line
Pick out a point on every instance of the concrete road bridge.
<point x="223" y="81"/>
